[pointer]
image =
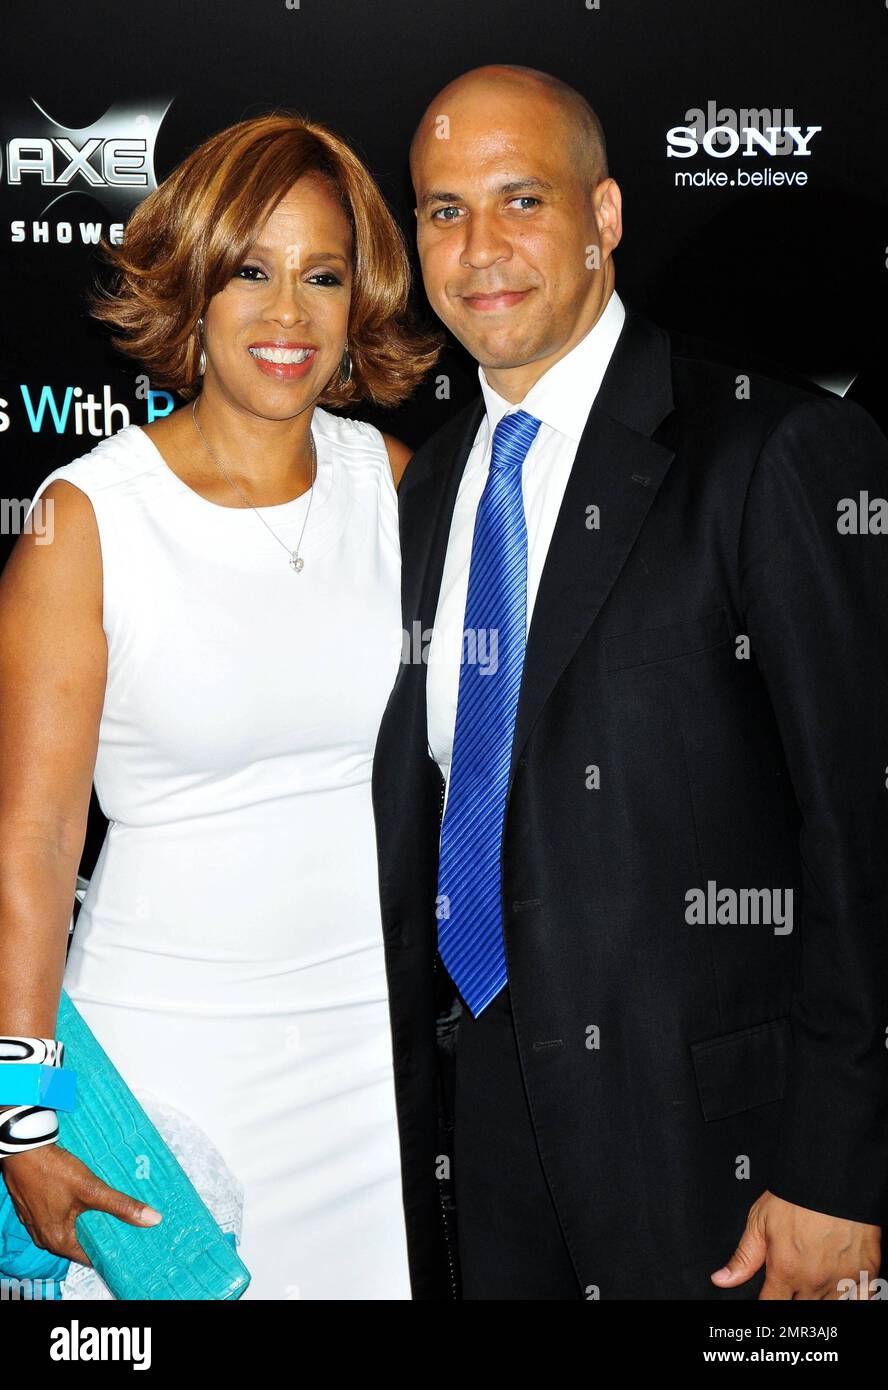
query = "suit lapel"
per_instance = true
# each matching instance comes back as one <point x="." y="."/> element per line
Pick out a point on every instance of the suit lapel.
<point x="618" y="468"/>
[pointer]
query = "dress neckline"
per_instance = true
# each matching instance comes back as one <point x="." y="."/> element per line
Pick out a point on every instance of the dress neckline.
<point x="282" y="513"/>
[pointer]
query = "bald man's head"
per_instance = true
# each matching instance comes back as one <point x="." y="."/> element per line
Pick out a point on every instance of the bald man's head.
<point x="517" y="219"/>
<point x="571" y="111"/>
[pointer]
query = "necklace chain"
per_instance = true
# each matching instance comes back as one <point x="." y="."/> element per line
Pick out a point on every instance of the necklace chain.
<point x="296" y="560"/>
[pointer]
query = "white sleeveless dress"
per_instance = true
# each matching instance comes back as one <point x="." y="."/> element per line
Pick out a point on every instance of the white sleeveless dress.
<point x="228" y="953"/>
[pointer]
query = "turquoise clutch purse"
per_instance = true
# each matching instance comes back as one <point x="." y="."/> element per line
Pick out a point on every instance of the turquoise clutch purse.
<point x="187" y="1256"/>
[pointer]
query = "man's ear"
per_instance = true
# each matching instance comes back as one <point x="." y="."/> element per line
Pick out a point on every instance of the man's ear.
<point x="614" y="225"/>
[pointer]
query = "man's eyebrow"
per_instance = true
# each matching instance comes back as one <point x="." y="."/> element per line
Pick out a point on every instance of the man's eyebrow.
<point x="513" y="186"/>
<point x="518" y="184"/>
<point x="435" y="197"/>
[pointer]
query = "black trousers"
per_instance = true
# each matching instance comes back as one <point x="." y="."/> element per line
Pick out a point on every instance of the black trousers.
<point x="509" y="1237"/>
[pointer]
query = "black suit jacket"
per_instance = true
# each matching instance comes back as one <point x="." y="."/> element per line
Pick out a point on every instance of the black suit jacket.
<point x="714" y="654"/>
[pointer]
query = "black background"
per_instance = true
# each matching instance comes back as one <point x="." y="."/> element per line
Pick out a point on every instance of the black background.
<point x="790" y="278"/>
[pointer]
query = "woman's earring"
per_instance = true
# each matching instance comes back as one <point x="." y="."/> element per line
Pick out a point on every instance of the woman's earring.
<point x="202" y="360"/>
<point x="345" y="366"/>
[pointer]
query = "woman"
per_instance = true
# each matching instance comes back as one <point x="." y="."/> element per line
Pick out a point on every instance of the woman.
<point x="213" y="634"/>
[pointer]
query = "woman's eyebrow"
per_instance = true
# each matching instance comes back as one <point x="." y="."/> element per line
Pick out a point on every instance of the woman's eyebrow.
<point x="259" y="249"/>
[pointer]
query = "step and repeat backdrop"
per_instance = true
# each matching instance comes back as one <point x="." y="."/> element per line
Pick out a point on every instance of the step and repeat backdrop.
<point x="773" y="259"/>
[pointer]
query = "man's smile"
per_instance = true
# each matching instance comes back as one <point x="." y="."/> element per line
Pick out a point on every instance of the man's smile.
<point x="495" y="300"/>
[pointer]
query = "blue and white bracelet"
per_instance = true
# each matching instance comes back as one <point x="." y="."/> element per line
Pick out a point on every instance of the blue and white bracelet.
<point x="38" y="1076"/>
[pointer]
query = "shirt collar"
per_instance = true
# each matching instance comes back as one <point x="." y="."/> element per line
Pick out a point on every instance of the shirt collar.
<point x="563" y="396"/>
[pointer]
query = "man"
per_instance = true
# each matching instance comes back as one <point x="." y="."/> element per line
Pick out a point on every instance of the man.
<point x="654" y="700"/>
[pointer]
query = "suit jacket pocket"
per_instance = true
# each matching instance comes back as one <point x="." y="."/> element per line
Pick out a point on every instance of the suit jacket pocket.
<point x="736" y="1071"/>
<point x="639" y="648"/>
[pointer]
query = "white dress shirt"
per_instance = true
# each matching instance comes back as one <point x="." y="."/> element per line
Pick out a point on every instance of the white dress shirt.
<point x="561" y="400"/>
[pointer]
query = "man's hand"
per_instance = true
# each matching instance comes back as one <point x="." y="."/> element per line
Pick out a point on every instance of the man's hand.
<point x="807" y="1253"/>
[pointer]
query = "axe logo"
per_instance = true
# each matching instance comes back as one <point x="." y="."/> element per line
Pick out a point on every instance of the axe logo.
<point x="112" y="159"/>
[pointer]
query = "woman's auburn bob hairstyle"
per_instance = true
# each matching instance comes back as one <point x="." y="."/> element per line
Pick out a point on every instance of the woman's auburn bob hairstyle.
<point x="186" y="239"/>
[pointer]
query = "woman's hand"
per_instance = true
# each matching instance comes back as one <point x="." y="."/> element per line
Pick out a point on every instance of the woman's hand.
<point x="50" y="1187"/>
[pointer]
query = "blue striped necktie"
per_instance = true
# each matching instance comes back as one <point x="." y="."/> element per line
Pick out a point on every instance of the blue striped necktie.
<point x="470" y="923"/>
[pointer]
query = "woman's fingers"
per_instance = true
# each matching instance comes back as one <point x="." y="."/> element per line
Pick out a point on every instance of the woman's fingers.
<point x="51" y="1187"/>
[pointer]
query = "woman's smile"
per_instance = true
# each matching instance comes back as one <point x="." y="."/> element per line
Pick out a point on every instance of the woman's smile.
<point x="284" y="361"/>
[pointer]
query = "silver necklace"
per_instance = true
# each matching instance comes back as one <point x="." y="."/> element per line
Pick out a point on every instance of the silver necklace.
<point x="296" y="560"/>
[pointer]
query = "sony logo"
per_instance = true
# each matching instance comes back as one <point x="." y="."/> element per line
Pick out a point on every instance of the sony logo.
<point x="722" y="130"/>
<point x="682" y="141"/>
